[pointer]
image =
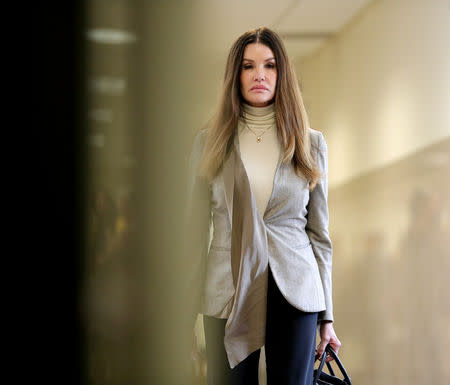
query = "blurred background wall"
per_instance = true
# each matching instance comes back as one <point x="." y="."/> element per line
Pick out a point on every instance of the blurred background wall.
<point x="380" y="88"/>
<point x="375" y="76"/>
<point x="380" y="91"/>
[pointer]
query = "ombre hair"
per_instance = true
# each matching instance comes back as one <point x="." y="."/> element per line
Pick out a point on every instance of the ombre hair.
<point x="290" y="113"/>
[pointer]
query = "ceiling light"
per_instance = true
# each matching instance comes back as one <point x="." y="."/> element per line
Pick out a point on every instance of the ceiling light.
<point x="111" y="36"/>
<point x="108" y="85"/>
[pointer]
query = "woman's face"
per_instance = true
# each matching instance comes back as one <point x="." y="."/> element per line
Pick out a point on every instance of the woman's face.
<point x="258" y="75"/>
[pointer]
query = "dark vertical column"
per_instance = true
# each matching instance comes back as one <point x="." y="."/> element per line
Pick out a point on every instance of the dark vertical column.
<point x="53" y="228"/>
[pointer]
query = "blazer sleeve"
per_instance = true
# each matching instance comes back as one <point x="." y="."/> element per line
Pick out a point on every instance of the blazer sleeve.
<point x="317" y="227"/>
<point x="196" y="229"/>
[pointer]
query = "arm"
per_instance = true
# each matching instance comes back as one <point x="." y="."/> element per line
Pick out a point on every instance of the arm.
<point x="317" y="227"/>
<point x="196" y="229"/>
<point x="317" y="230"/>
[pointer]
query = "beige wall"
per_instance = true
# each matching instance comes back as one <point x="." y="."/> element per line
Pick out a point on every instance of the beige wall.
<point x="380" y="92"/>
<point x="380" y="89"/>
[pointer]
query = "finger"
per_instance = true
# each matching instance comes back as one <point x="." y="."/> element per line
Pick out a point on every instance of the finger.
<point x="320" y="350"/>
<point x="317" y="353"/>
<point x="335" y="344"/>
<point x="323" y="344"/>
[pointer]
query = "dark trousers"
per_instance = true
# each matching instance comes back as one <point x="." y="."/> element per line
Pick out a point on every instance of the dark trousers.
<point x="290" y="346"/>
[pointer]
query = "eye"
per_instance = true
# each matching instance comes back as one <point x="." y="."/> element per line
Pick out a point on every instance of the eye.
<point x="248" y="66"/>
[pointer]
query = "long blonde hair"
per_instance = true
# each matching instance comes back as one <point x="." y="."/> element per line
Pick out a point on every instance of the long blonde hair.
<point x="291" y="117"/>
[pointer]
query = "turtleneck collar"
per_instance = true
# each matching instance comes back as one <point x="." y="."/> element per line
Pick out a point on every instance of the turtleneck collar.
<point x="258" y="116"/>
<point x="258" y="111"/>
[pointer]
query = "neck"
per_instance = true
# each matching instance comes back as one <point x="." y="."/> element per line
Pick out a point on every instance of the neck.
<point x="258" y="117"/>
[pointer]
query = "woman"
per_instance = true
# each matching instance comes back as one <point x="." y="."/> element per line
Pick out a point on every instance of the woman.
<point x="259" y="174"/>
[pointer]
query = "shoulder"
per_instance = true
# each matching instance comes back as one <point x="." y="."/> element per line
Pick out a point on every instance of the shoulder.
<point x="200" y="136"/>
<point x="196" y="146"/>
<point x="198" y="141"/>
<point x="316" y="138"/>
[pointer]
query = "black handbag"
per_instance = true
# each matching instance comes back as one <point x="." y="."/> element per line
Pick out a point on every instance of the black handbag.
<point x="322" y="378"/>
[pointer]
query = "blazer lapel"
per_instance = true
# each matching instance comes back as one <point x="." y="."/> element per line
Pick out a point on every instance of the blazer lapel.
<point x="228" y="179"/>
<point x="245" y="327"/>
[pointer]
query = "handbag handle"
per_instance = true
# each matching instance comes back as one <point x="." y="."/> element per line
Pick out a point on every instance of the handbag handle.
<point x="333" y="354"/>
<point x="330" y="368"/>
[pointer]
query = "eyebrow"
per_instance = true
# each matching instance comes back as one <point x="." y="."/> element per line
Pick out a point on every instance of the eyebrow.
<point x="271" y="58"/>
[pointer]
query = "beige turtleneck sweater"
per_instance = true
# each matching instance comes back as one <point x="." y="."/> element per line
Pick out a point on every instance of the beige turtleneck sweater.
<point x="260" y="159"/>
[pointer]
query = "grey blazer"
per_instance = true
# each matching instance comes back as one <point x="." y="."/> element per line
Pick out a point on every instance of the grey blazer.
<point x="292" y="237"/>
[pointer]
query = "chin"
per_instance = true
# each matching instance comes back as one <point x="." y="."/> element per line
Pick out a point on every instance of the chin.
<point x="259" y="102"/>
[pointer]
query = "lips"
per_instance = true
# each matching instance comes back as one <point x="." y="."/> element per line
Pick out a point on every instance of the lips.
<point x="259" y="88"/>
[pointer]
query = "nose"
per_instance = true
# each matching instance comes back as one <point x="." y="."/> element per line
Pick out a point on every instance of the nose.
<point x="260" y="76"/>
